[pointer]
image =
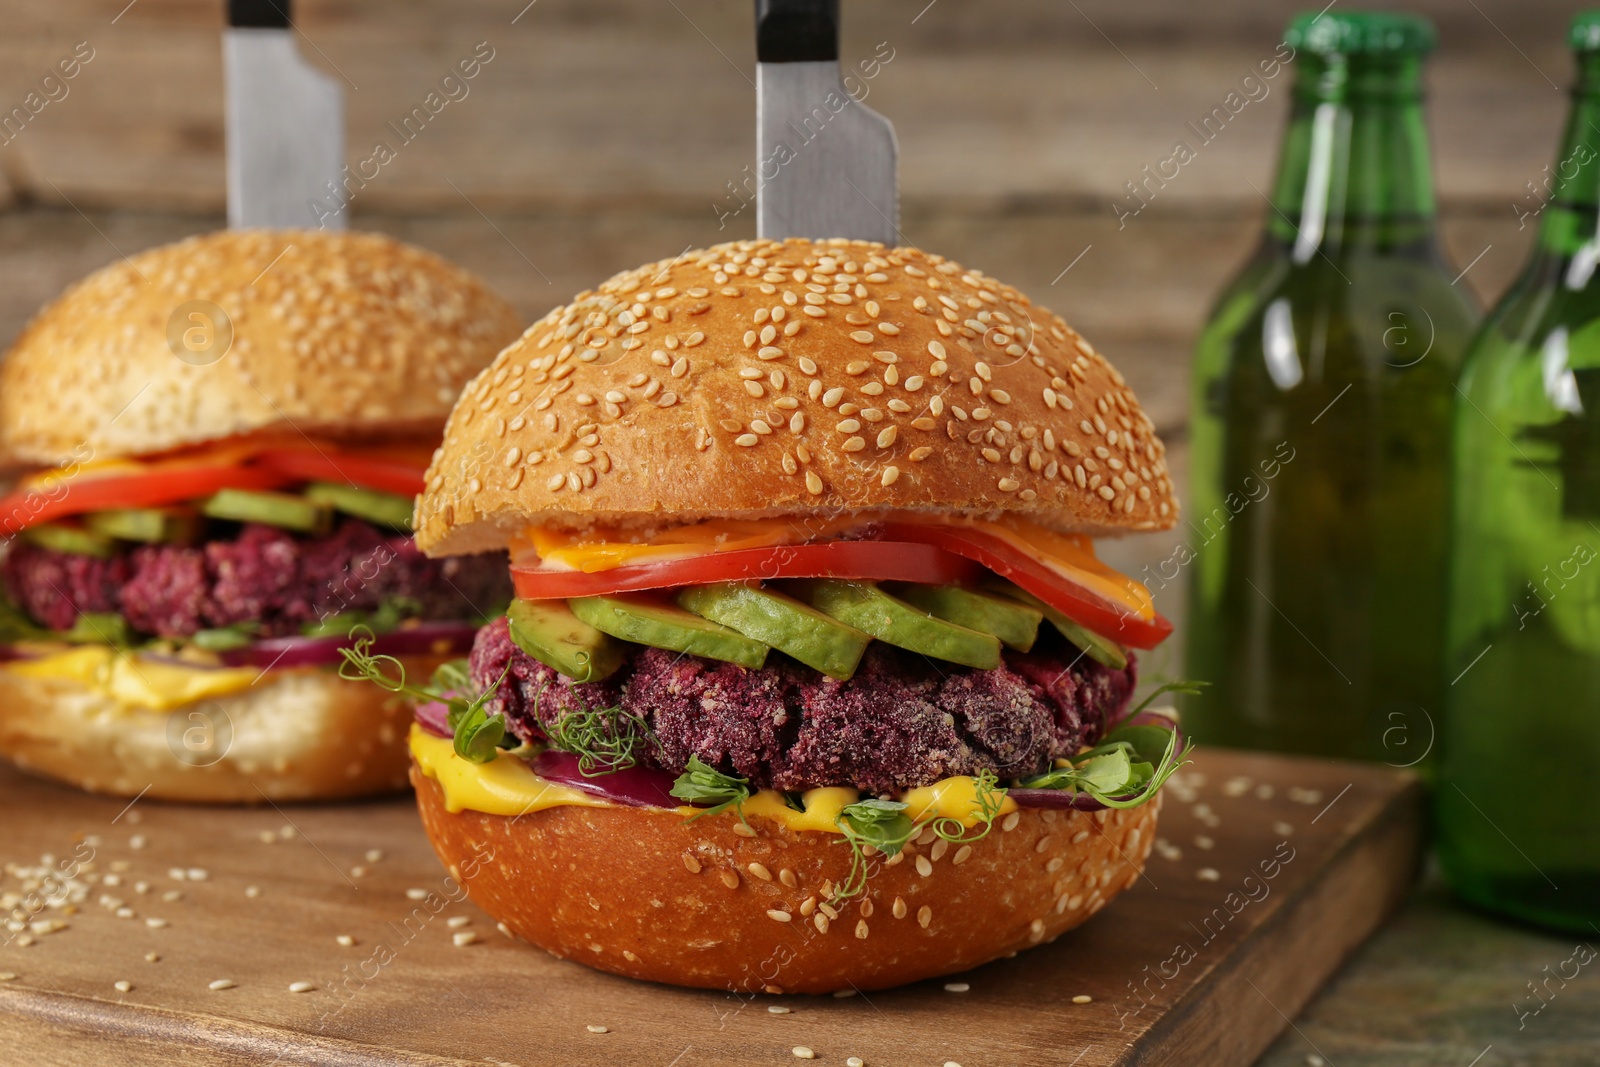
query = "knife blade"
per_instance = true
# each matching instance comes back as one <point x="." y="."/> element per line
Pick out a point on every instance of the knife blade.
<point x="827" y="164"/>
<point x="285" y="125"/>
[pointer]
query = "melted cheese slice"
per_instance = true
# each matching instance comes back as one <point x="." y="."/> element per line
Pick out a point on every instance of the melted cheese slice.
<point x="135" y="682"/>
<point x="507" y="785"/>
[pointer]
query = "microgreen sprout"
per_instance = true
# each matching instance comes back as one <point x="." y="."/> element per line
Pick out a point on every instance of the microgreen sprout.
<point x="478" y="735"/>
<point x="706" y="785"/>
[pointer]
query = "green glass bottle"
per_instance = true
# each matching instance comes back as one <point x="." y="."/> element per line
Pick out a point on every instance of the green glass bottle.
<point x="1320" y="428"/>
<point x="1518" y="789"/>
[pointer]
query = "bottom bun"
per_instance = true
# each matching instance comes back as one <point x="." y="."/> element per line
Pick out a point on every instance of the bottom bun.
<point x="644" y="893"/>
<point x="298" y="734"/>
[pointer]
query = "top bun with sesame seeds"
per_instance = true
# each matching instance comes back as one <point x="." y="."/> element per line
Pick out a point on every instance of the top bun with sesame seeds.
<point x="767" y="378"/>
<point x="339" y="335"/>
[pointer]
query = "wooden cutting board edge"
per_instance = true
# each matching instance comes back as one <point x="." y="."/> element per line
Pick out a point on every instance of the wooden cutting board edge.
<point x="75" y="1029"/>
<point x="1287" y="959"/>
<point x="1235" y="1014"/>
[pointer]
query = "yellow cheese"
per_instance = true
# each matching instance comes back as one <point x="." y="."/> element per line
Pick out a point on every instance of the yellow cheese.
<point x="507" y="785"/>
<point x="598" y="552"/>
<point x="136" y="681"/>
<point x="954" y="798"/>
<point x="822" y="808"/>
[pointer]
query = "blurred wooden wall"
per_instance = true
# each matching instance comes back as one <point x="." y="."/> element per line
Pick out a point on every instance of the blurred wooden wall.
<point x="603" y="133"/>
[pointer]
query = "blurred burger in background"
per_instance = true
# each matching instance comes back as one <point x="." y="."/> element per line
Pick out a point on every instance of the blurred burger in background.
<point x="215" y="447"/>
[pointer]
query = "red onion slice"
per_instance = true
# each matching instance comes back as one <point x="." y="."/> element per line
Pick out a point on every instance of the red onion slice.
<point x="636" y="787"/>
<point x="428" y="639"/>
<point x="433" y="717"/>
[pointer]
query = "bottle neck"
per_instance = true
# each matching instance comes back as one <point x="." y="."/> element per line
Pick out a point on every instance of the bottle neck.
<point x="1565" y="196"/>
<point x="1355" y="169"/>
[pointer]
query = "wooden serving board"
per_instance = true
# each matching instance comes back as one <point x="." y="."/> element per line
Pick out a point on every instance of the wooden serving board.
<point x="1268" y="871"/>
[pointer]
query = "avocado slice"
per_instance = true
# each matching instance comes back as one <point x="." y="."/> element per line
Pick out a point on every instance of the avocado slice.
<point x="150" y="525"/>
<point x="222" y="638"/>
<point x="664" y="625"/>
<point x="548" y="631"/>
<point x="73" y="540"/>
<point x="782" y="622"/>
<point x="274" y="509"/>
<point x="1100" y="649"/>
<point x="1016" y="625"/>
<point x="99" y="628"/>
<point x="374" y="505"/>
<point x="869" y="609"/>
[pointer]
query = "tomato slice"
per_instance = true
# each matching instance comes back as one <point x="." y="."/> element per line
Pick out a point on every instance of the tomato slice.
<point x="882" y="560"/>
<point x="391" y="474"/>
<point x="48" y="500"/>
<point x="1077" y="603"/>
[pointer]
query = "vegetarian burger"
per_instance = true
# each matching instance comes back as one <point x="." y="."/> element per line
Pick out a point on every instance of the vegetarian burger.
<point x="813" y="680"/>
<point x="216" y="444"/>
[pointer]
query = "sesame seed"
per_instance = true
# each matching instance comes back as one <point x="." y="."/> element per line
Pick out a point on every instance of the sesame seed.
<point x="890" y="476"/>
<point x="122" y="987"/>
<point x="220" y="984"/>
<point x="862" y="337"/>
<point x="848" y="426"/>
<point x="152" y="957"/>
<point x="1082" y="998"/>
<point x="8" y="976"/>
<point x="346" y="940"/>
<point x="888" y="328"/>
<point x="691" y="864"/>
<point x="936" y="350"/>
<point x="747" y="440"/>
<point x="813" y="483"/>
<point x="760" y="871"/>
<point x="1207" y="874"/>
<point x="886" y="438"/>
<point x="924" y="867"/>
<point x="924" y="916"/>
<point x="855" y="1061"/>
<point x="778" y="916"/>
<point x="597" y="1029"/>
<point x="956" y="987"/>
<point x="301" y="987"/>
<point x="779" y="1009"/>
<point x="801" y="1052"/>
<point x="416" y="894"/>
<point x="853" y="444"/>
<point x="463" y="938"/>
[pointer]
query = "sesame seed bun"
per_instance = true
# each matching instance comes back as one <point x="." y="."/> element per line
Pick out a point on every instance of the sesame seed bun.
<point x="298" y="734"/>
<point x="644" y="893"/>
<point x="335" y="334"/>
<point x="768" y="378"/>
